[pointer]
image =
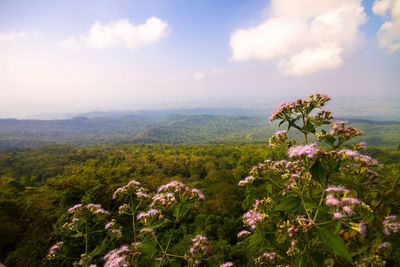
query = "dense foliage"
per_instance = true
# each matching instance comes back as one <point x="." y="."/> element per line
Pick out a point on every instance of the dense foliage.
<point x="187" y="205"/>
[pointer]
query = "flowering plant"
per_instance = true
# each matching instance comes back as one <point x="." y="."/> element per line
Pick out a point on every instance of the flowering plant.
<point x="316" y="208"/>
<point x="153" y="223"/>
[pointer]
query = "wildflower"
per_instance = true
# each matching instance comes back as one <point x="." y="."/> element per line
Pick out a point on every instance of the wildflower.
<point x="246" y="181"/>
<point x="348" y="210"/>
<point x="307" y="150"/>
<point x="116" y="233"/>
<point x="197" y="193"/>
<point x="146" y="230"/>
<point x="363" y="228"/>
<point x="200" y="249"/>
<point x="252" y="218"/>
<point x="332" y="201"/>
<point x="148" y="214"/>
<point x="142" y="195"/>
<point x="74" y="208"/>
<point x="334" y="188"/>
<point x="383" y="245"/>
<point x="242" y="233"/>
<point x="391" y="225"/>
<point x="132" y="186"/>
<point x="117" y="257"/>
<point x="351" y="200"/>
<point x="54" y="249"/>
<point x="174" y="186"/>
<point x="124" y="208"/>
<point x="163" y="199"/>
<point x="93" y="208"/>
<point x="226" y="264"/>
<point x="102" y="211"/>
<point x="266" y="258"/>
<point x="338" y="215"/>
<point x="363" y="145"/>
<point x="350" y="153"/>
<point x="109" y="224"/>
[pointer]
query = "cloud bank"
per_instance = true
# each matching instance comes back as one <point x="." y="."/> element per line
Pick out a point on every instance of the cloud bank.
<point x="122" y="33"/>
<point x="304" y="36"/>
<point x="198" y="76"/>
<point x="12" y="37"/>
<point x="389" y="33"/>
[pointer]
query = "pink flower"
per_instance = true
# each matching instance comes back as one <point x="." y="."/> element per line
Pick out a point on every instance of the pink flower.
<point x="331" y="201"/>
<point x="307" y="150"/>
<point x="246" y="181"/>
<point x="338" y="215"/>
<point x="242" y="233"/>
<point x="334" y="188"/>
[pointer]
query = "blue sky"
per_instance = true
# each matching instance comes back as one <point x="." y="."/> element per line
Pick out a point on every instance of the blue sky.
<point x="78" y="56"/>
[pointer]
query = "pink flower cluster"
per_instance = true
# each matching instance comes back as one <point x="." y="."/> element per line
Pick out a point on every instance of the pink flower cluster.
<point x="251" y="219"/>
<point x="266" y="259"/>
<point x="174" y="191"/>
<point x="299" y="151"/>
<point x="146" y="230"/>
<point x="243" y="233"/>
<point x="93" y="208"/>
<point x="125" y="208"/>
<point x="355" y="155"/>
<point x="146" y="215"/>
<point x="285" y="108"/>
<point x="248" y="180"/>
<point x="54" y="249"/>
<point x="132" y="187"/>
<point x="117" y="257"/>
<point x="383" y="246"/>
<point x="226" y="264"/>
<point x="391" y="225"/>
<point x="200" y="249"/>
<point x="173" y="186"/>
<point x="163" y="199"/>
<point x="279" y="138"/>
<point x="343" y="207"/>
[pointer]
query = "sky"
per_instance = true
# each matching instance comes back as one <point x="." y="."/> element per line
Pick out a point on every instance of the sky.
<point x="82" y="55"/>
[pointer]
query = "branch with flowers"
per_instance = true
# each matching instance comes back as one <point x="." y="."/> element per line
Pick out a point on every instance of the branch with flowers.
<point x="315" y="209"/>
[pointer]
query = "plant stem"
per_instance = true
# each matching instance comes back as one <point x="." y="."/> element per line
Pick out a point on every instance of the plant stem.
<point x="158" y="243"/>
<point x="319" y="204"/>
<point x="133" y="220"/>
<point x="176" y="256"/>
<point x="169" y="241"/>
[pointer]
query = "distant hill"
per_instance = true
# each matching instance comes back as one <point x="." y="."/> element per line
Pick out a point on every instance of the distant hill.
<point x="167" y="127"/>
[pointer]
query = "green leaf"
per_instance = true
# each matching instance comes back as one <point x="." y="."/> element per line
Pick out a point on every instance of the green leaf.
<point x="100" y="249"/>
<point x="334" y="242"/>
<point x="318" y="172"/>
<point x="148" y="248"/>
<point x="290" y="203"/>
<point x="337" y="227"/>
<point x="79" y="234"/>
<point x="330" y="139"/>
<point x="269" y="188"/>
<point x="309" y="127"/>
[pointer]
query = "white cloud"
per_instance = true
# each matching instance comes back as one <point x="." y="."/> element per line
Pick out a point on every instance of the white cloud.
<point x="219" y="71"/>
<point x="69" y="43"/>
<point x="304" y="36"/>
<point x="389" y="33"/>
<point x="12" y="37"/>
<point x="123" y="33"/>
<point x="198" y="76"/>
